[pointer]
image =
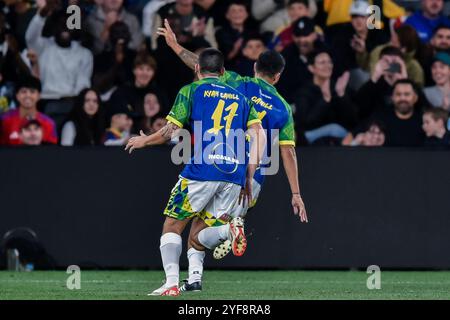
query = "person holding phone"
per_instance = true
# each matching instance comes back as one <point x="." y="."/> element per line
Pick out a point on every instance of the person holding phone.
<point x="405" y="39"/>
<point x="376" y="93"/>
<point x="377" y="90"/>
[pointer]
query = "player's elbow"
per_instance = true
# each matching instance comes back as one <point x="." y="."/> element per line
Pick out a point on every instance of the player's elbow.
<point x="288" y="152"/>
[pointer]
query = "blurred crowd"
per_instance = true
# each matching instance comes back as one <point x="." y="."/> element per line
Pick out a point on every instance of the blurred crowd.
<point x="352" y="78"/>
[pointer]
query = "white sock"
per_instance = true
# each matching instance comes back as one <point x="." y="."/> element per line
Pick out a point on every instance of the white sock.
<point x="170" y="254"/>
<point x="195" y="258"/>
<point x="211" y="237"/>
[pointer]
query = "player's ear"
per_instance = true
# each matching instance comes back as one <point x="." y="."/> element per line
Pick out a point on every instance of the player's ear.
<point x="197" y="68"/>
<point x="276" y="78"/>
<point x="222" y="71"/>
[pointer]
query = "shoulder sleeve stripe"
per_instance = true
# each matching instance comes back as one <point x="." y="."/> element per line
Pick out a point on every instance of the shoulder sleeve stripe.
<point x="174" y="121"/>
<point x="287" y="143"/>
<point x="251" y="122"/>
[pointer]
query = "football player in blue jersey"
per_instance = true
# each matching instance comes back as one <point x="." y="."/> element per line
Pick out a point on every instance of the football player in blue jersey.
<point x="276" y="116"/>
<point x="213" y="181"/>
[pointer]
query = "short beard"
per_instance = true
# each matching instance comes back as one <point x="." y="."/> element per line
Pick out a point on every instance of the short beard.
<point x="404" y="110"/>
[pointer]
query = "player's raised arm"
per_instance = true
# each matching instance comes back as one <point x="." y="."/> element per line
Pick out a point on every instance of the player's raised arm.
<point x="289" y="157"/>
<point x="157" y="138"/>
<point x="188" y="57"/>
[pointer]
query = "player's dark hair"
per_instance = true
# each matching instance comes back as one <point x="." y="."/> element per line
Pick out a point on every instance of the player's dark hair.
<point x="211" y="61"/>
<point x="270" y="63"/>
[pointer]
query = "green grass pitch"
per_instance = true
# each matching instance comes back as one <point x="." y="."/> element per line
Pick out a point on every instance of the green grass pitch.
<point x="228" y="285"/>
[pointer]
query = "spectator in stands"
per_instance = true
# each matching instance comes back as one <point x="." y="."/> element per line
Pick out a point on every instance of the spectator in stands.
<point x="189" y="21"/>
<point x="427" y="19"/>
<point x="374" y="93"/>
<point x="339" y="12"/>
<point x="28" y="94"/>
<point x="264" y="9"/>
<point x="193" y="31"/>
<point x="296" y="74"/>
<point x="31" y="133"/>
<point x="19" y="14"/>
<point x="374" y="136"/>
<point x="439" y="94"/>
<point x="114" y="66"/>
<point x="104" y="16"/>
<point x="252" y="49"/>
<point x="296" y="9"/>
<point x="215" y="9"/>
<point x="323" y="107"/>
<point x="435" y="127"/>
<point x="65" y="67"/>
<point x="86" y="123"/>
<point x="149" y="15"/>
<point x="231" y="37"/>
<point x="403" y="121"/>
<point x="283" y="18"/>
<point x="353" y="42"/>
<point x="152" y="109"/>
<point x="158" y="123"/>
<point x="12" y="67"/>
<point x="439" y="42"/>
<point x="120" y="124"/>
<point x="144" y="82"/>
<point x="405" y="38"/>
<point x="441" y="38"/>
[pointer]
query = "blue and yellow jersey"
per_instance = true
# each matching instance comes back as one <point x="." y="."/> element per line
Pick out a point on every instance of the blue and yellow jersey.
<point x="274" y="112"/>
<point x="218" y="115"/>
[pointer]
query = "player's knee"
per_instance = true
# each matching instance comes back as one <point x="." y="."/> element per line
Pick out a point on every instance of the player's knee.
<point x="194" y="243"/>
<point x="173" y="226"/>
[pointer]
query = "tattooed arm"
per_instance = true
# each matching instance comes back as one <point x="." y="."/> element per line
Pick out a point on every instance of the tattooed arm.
<point x="160" y="137"/>
<point x="188" y="57"/>
<point x="167" y="131"/>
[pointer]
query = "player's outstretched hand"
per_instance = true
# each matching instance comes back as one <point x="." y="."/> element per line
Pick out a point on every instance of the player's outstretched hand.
<point x="138" y="142"/>
<point x="168" y="34"/>
<point x="299" y="207"/>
